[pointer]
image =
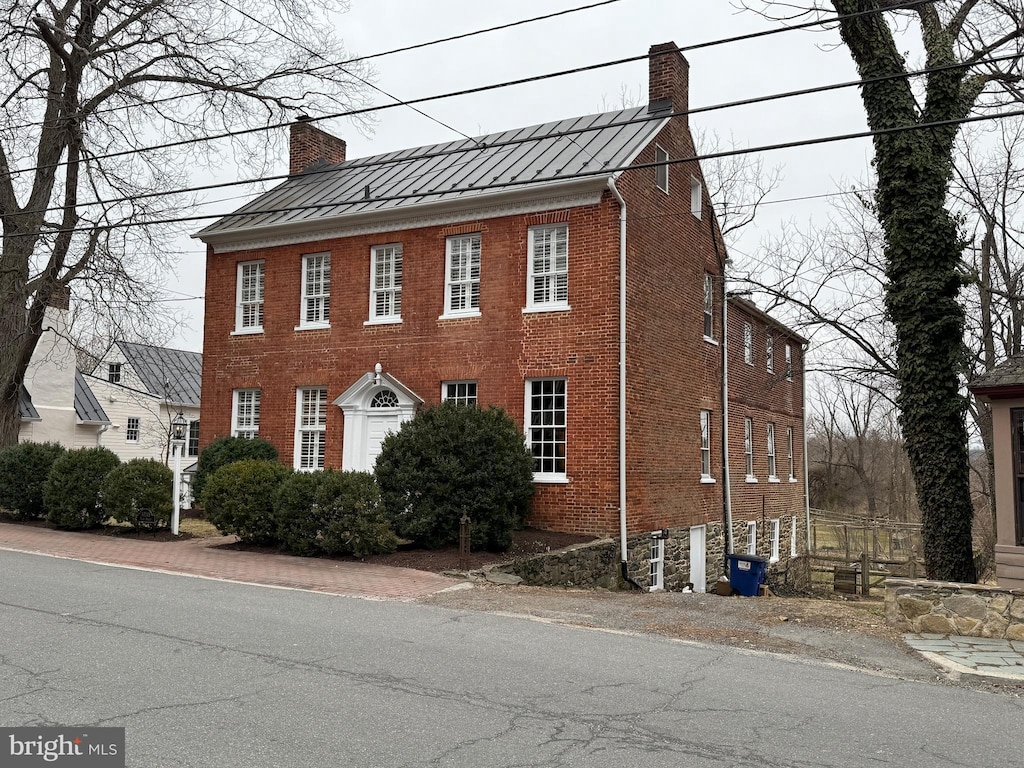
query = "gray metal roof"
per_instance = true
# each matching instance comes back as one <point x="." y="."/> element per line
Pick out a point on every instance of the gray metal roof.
<point x="87" y="407"/>
<point x="26" y="410"/>
<point x="1009" y="373"/>
<point x="428" y="174"/>
<point x="173" y="374"/>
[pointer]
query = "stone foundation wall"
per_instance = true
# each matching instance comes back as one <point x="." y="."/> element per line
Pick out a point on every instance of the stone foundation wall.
<point x="949" y="608"/>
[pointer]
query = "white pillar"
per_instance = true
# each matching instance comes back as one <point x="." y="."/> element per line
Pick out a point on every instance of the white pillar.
<point x="177" y="487"/>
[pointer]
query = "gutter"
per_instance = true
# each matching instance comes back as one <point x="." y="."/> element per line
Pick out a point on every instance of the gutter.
<point x="624" y="552"/>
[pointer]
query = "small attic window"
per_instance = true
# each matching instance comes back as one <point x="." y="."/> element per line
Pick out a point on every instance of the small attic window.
<point x="114" y="373"/>
<point x="661" y="171"/>
<point x="696" y="196"/>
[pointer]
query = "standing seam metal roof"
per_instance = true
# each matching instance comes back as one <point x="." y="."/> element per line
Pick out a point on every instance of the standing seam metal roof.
<point x="87" y="407"/>
<point x="171" y="374"/>
<point x="423" y="174"/>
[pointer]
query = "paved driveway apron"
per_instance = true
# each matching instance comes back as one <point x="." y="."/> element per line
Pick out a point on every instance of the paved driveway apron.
<point x="204" y="558"/>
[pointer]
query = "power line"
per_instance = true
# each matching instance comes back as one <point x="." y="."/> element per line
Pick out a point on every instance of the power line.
<point x="482" y="89"/>
<point x="566" y="177"/>
<point x="460" y="149"/>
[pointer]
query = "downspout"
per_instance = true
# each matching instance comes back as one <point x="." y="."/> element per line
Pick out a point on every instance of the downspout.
<point x="803" y="428"/>
<point x="99" y="434"/>
<point x="624" y="552"/>
<point x="726" y="484"/>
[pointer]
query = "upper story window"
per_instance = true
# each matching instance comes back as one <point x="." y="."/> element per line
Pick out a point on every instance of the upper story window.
<point x="249" y="297"/>
<point x="310" y="428"/>
<point x="789" y="452"/>
<point x="772" y="473"/>
<point x="705" y="446"/>
<point x="546" y="414"/>
<point x="748" y="447"/>
<point x="789" y="363"/>
<point x="748" y="344"/>
<point x="661" y="169"/>
<point x="460" y="392"/>
<point x="547" y="284"/>
<point x="386" y="283"/>
<point x="696" y="197"/>
<point x="462" y="276"/>
<point x="114" y="373"/>
<point x="245" y="413"/>
<point x="769" y="352"/>
<point x="709" y="307"/>
<point x="131" y="432"/>
<point x="193" y="438"/>
<point x="315" y="308"/>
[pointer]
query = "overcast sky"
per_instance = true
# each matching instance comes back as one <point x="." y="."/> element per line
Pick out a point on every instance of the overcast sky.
<point x="788" y="61"/>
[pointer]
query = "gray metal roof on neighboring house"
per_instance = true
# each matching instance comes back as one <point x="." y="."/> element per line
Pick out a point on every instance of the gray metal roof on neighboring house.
<point x="171" y="374"/>
<point x="428" y="174"/>
<point x="1009" y="373"/>
<point x="26" y="410"/>
<point x="87" y="407"/>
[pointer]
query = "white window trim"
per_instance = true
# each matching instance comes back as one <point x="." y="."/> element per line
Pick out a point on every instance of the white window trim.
<point x="748" y="344"/>
<point x="553" y="478"/>
<point x="188" y="439"/>
<point x="776" y="530"/>
<point x="657" y="563"/>
<point x="789" y="363"/>
<point x="300" y="430"/>
<point x="446" y="384"/>
<point x="769" y="352"/>
<point x="696" y="197"/>
<point x="455" y="314"/>
<point x="752" y="537"/>
<point x="384" y="319"/>
<point x="789" y="448"/>
<point x="661" y="159"/>
<point x="304" y="323"/>
<point x="708" y="312"/>
<point x="705" y="437"/>
<point x="549" y="306"/>
<point x="748" y="448"/>
<point x="128" y="429"/>
<point x="234" y="412"/>
<point x="239" y="330"/>
<point x="792" y="536"/>
<point x="773" y="459"/>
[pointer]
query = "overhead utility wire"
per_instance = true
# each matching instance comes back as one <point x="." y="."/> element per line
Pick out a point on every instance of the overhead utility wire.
<point x="478" y="89"/>
<point x="460" y="149"/>
<point x="543" y="179"/>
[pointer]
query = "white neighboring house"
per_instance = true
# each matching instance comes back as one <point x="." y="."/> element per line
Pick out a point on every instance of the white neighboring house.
<point x="126" y="404"/>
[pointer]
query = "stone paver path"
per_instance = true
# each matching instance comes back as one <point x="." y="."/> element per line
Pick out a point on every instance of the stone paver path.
<point x="986" y="656"/>
<point x="203" y="557"/>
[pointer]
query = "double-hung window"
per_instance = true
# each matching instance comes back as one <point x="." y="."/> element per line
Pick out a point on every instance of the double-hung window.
<point x="705" y="447"/>
<point x="462" y="276"/>
<point x="769" y="352"/>
<point x="792" y="536"/>
<point x="459" y="392"/>
<point x="776" y="531"/>
<point x="310" y="428"/>
<point x="748" y="344"/>
<point x="657" y="572"/>
<point x="386" y="283"/>
<point x="193" y="438"/>
<point x="661" y="169"/>
<point x="316" y="291"/>
<point x="249" y="297"/>
<point x="547" y="282"/>
<point x="546" y="416"/>
<point x="789" y="363"/>
<point x="789" y="452"/>
<point x="709" y="307"/>
<point x="752" y="538"/>
<point x="245" y="413"/>
<point x="131" y="431"/>
<point x="772" y="474"/>
<point x="114" y="373"/>
<point x="696" y="196"/>
<point x="748" y="448"/>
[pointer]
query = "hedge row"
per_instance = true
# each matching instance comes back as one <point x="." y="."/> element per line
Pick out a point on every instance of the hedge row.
<point x="82" y="488"/>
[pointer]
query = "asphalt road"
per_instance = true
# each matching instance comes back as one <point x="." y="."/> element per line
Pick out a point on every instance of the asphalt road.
<point x="204" y="673"/>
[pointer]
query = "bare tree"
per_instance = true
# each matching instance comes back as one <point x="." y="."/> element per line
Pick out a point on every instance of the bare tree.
<point x="87" y="86"/>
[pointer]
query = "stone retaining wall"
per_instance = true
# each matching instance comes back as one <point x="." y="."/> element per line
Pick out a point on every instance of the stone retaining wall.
<point x="950" y="608"/>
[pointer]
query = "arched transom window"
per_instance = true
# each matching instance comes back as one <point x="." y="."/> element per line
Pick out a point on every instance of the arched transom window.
<point x="384" y="399"/>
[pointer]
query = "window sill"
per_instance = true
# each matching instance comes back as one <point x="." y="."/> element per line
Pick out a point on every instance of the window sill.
<point x="772" y="560"/>
<point x="247" y="331"/>
<point x="774" y="480"/>
<point x="459" y="315"/>
<point x="540" y="477"/>
<point x="383" y="321"/>
<point x="546" y="308"/>
<point x="711" y="340"/>
<point x="749" y="362"/>
<point x="314" y="327"/>
<point x="793" y="480"/>
<point x="655" y="589"/>
<point x="707" y="480"/>
<point x="750" y="479"/>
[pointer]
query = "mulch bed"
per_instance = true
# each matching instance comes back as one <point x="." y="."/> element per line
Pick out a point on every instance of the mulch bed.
<point x="122" y="531"/>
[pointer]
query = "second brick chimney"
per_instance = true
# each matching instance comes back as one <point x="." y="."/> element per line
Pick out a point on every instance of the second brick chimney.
<point x="308" y="145"/>
<point x="669" y="77"/>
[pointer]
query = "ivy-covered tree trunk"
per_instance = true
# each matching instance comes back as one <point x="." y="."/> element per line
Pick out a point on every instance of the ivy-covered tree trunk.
<point x="922" y="250"/>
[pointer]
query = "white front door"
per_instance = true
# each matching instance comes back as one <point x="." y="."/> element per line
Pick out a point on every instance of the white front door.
<point x="698" y="552"/>
<point x="377" y="428"/>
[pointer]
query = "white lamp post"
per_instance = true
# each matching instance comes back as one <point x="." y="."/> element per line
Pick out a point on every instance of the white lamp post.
<point x="178" y="427"/>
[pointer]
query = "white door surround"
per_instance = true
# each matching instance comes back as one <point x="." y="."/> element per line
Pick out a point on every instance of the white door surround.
<point x="374" y="405"/>
<point x="698" y="557"/>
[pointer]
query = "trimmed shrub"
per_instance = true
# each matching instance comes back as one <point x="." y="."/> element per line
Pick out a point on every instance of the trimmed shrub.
<point x="23" y="472"/>
<point x="239" y="498"/>
<point x="226" y="450"/>
<point x="141" y="484"/>
<point x="452" y="460"/>
<point x="72" y="489"/>
<point x="332" y="513"/>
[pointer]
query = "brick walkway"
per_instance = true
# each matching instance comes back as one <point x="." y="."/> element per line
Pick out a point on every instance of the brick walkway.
<point x="202" y="557"/>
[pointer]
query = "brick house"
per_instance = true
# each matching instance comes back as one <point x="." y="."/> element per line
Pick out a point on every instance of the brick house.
<point x="491" y="271"/>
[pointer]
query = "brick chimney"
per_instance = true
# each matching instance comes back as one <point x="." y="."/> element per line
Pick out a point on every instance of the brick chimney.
<point x="669" y="77"/>
<point x="60" y="298"/>
<point x="309" y="145"/>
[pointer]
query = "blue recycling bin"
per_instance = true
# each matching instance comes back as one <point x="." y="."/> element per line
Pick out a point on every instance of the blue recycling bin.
<point x="747" y="573"/>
